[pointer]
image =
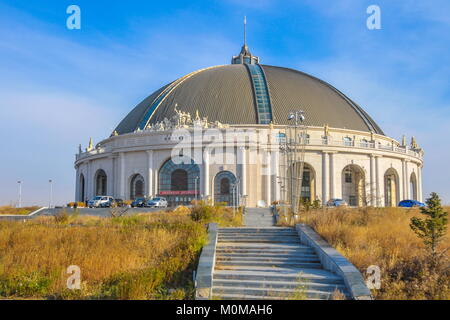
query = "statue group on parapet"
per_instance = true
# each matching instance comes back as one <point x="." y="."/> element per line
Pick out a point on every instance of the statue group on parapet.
<point x="183" y="120"/>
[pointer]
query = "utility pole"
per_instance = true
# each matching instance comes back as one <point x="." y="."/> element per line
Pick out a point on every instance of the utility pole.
<point x="51" y="193"/>
<point x="19" y="205"/>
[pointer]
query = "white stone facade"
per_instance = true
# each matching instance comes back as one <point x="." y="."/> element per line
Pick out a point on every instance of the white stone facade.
<point x="360" y="167"/>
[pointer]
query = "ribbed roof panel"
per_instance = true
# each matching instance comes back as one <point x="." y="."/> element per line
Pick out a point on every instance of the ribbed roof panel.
<point x="225" y="94"/>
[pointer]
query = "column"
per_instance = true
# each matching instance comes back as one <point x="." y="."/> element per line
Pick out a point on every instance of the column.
<point x="377" y="181"/>
<point x="77" y="184"/>
<point x="419" y="183"/>
<point x="268" y="179"/>
<point x="111" y="176"/>
<point x="332" y="190"/>
<point x="243" y="162"/>
<point x="372" y="180"/>
<point x="206" y="191"/>
<point x="89" y="182"/>
<point x="324" y="178"/>
<point x="276" y="171"/>
<point x="149" y="179"/>
<point x="407" y="195"/>
<point x="122" y="175"/>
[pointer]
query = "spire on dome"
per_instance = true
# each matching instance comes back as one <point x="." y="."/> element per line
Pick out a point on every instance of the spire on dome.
<point x="245" y="57"/>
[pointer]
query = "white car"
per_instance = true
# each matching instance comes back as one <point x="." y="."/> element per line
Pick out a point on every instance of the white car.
<point x="100" y="201"/>
<point x="158" y="202"/>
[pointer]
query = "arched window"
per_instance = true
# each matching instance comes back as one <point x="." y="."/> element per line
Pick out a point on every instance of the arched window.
<point x="225" y="188"/>
<point x="364" y="143"/>
<point x="82" y="188"/>
<point x="348" y="141"/>
<point x="100" y="183"/>
<point x="353" y="185"/>
<point x="137" y="187"/>
<point x="307" y="188"/>
<point x="391" y="188"/>
<point x="179" y="180"/>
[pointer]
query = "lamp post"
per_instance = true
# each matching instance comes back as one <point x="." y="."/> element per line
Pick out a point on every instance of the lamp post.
<point x="51" y="193"/>
<point x="19" y="205"/>
<point x="296" y="179"/>
<point x="196" y="181"/>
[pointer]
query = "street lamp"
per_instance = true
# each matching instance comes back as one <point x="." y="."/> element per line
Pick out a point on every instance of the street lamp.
<point x="51" y="193"/>
<point x="295" y="178"/>
<point x="196" y="180"/>
<point x="20" y="194"/>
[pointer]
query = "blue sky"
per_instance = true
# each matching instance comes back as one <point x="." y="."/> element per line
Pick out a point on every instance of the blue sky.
<point x="58" y="87"/>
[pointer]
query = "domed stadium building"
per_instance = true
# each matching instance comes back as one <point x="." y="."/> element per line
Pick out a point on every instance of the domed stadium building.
<point x="219" y="133"/>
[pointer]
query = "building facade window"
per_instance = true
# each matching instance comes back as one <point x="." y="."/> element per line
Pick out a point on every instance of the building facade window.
<point x="137" y="187"/>
<point x="179" y="181"/>
<point x="225" y="188"/>
<point x="100" y="183"/>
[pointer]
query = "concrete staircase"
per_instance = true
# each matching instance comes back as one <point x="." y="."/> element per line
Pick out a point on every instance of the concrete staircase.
<point x="261" y="261"/>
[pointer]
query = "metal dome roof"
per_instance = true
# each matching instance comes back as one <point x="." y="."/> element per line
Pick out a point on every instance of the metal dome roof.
<point x="250" y="93"/>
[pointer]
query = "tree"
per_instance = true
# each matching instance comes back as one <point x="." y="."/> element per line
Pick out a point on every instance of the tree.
<point x="433" y="228"/>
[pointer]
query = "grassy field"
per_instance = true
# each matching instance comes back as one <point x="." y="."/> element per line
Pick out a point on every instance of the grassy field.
<point x="148" y="256"/>
<point x="13" y="210"/>
<point x="382" y="237"/>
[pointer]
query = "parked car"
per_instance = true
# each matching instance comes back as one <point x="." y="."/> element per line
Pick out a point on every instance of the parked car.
<point x="111" y="203"/>
<point x="138" y="202"/>
<point x="411" y="204"/>
<point x="100" y="201"/>
<point x="336" y="203"/>
<point x="157" y="202"/>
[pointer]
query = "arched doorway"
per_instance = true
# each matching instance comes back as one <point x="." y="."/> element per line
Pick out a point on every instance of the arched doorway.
<point x="225" y="188"/>
<point x="137" y="187"/>
<point x="308" y="184"/>
<point x="413" y="186"/>
<point x="353" y="186"/>
<point x="179" y="181"/>
<point x="391" y="188"/>
<point x="100" y="183"/>
<point x="82" y="188"/>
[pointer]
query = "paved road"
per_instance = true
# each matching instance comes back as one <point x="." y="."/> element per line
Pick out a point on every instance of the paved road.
<point x="99" y="212"/>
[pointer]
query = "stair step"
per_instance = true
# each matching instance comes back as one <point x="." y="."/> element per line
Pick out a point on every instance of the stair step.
<point x="261" y="256"/>
<point x="264" y="251"/>
<point x="300" y="259"/>
<point x="270" y="284"/>
<point x="255" y="229"/>
<point x="313" y="275"/>
<point x="275" y="264"/>
<point x="274" y="292"/>
<point x="264" y="246"/>
<point x="259" y="240"/>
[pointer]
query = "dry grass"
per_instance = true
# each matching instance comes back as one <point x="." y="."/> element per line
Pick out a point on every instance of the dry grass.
<point x="138" y="257"/>
<point x="13" y="210"/>
<point x="147" y="256"/>
<point x="382" y="236"/>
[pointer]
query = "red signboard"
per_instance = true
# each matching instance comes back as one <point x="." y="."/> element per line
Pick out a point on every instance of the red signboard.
<point x="176" y="193"/>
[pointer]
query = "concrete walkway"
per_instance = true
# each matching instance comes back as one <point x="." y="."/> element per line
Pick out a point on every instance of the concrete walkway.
<point x="259" y="217"/>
